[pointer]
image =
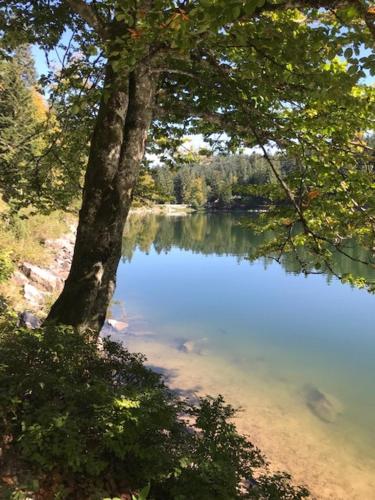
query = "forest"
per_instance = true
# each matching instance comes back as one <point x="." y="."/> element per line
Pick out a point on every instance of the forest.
<point x="283" y="94"/>
<point x="219" y="182"/>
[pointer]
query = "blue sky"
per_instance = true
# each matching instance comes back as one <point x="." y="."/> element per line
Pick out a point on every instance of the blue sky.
<point x="40" y="61"/>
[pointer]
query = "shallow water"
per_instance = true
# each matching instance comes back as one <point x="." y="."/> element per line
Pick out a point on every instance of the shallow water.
<point x="266" y="337"/>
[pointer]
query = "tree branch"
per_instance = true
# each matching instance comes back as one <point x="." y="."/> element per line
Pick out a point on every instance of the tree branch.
<point x="88" y="14"/>
<point x="367" y="13"/>
<point x="173" y="71"/>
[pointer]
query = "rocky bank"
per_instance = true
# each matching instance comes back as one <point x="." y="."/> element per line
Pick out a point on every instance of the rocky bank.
<point x="40" y="285"/>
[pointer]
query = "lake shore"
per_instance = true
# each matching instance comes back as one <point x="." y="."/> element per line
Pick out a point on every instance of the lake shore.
<point x="166" y="209"/>
<point x="291" y="437"/>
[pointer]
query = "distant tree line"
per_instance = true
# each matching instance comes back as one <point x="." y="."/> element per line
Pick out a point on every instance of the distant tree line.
<point x="212" y="182"/>
<point x="236" y="181"/>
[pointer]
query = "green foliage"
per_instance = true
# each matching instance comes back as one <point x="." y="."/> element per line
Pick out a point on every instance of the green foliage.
<point x="221" y="457"/>
<point x="81" y="423"/>
<point x="6" y="266"/>
<point x="72" y="410"/>
<point x="324" y="210"/>
<point x="31" y="172"/>
<point x="277" y="486"/>
<point x="18" y="128"/>
<point x="147" y="191"/>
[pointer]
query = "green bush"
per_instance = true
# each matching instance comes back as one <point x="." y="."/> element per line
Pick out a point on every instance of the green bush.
<point x="80" y="423"/>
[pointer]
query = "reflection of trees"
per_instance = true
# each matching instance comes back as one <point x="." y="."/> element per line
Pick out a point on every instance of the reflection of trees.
<point x="140" y="233"/>
<point x="222" y="234"/>
<point x="341" y="264"/>
<point x="201" y="233"/>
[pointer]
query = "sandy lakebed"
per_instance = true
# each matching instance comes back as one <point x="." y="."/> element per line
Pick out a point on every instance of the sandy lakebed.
<point x="290" y="435"/>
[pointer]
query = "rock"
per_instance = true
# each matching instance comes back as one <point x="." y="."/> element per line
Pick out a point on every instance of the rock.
<point x="65" y="243"/>
<point x="112" y="326"/>
<point x="44" y="278"/>
<point x="19" y="278"/>
<point x="34" y="296"/>
<point x="29" y="320"/>
<point x="323" y="405"/>
<point x="106" y="329"/>
<point x="100" y="344"/>
<point x="192" y="346"/>
<point x="223" y="331"/>
<point x="118" y="326"/>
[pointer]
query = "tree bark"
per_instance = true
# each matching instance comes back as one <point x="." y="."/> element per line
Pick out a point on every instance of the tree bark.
<point x="116" y="152"/>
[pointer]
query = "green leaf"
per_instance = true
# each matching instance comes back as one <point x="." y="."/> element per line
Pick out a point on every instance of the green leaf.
<point x="143" y="494"/>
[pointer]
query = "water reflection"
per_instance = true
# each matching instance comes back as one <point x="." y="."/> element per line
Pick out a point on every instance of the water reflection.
<point x="226" y="234"/>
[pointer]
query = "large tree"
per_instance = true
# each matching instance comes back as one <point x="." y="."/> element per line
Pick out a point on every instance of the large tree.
<point x="260" y="71"/>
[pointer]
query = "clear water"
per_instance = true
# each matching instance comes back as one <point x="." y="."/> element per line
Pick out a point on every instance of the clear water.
<point x="189" y="278"/>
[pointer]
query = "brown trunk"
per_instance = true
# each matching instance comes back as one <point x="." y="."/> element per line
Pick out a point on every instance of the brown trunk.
<point x="117" y="150"/>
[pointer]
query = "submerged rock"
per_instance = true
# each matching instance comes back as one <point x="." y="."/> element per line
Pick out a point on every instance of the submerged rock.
<point x="118" y="326"/>
<point x="192" y="346"/>
<point x="323" y="405"/>
<point x="113" y="326"/>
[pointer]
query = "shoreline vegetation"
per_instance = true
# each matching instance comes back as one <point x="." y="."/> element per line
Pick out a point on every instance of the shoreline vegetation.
<point x="162" y="209"/>
<point x="236" y="182"/>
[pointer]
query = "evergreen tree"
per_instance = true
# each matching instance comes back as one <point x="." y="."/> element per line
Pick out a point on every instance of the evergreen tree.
<point x="18" y="129"/>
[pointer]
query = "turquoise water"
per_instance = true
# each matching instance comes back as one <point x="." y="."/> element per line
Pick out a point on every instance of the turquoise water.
<point x="189" y="278"/>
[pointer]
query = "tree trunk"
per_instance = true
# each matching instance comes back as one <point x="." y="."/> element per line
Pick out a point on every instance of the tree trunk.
<point x="116" y="152"/>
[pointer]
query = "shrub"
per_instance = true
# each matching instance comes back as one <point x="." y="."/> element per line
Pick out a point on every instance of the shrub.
<point x="80" y="423"/>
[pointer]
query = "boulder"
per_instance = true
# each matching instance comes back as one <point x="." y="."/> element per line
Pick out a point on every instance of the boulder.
<point x="42" y="277"/>
<point x="29" y="320"/>
<point x="323" y="405"/>
<point x="19" y="278"/>
<point x="34" y="296"/>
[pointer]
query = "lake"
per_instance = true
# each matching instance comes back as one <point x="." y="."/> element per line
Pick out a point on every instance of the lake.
<point x="296" y="353"/>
